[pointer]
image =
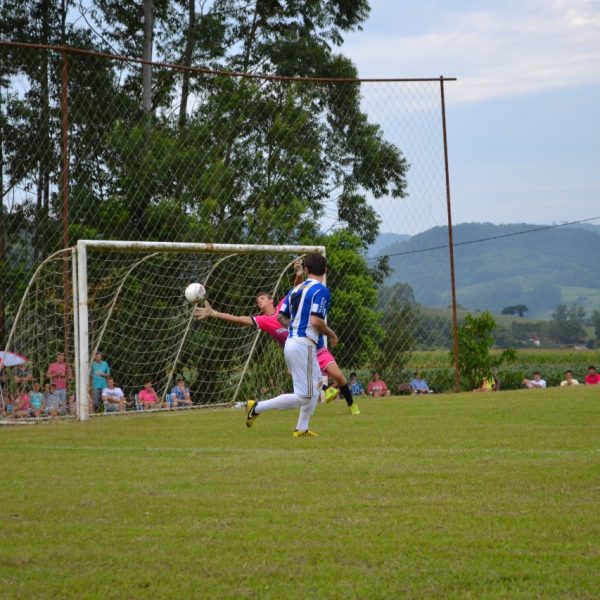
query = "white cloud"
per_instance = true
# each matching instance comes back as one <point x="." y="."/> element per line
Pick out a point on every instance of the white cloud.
<point x="509" y="49"/>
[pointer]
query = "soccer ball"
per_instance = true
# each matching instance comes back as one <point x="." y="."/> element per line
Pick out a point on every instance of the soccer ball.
<point x="195" y="292"/>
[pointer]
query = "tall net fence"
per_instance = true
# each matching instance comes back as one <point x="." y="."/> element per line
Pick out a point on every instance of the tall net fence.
<point x="222" y="159"/>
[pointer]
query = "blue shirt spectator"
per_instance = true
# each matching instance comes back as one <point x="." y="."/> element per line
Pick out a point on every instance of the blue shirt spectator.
<point x="419" y="385"/>
<point x="356" y="387"/>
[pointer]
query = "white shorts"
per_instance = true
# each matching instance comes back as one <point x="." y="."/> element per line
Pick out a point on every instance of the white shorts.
<point x="301" y="360"/>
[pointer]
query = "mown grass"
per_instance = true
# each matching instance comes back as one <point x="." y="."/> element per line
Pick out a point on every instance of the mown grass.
<point x="449" y="496"/>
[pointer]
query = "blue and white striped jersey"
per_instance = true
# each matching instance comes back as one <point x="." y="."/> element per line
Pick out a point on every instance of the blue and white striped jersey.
<point x="311" y="297"/>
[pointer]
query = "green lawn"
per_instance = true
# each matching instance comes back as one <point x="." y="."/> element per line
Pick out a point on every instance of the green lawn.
<point x="449" y="496"/>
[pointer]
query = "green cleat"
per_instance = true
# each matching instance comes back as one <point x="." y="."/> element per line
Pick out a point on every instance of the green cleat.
<point x="331" y="393"/>
<point x="304" y="433"/>
<point x="354" y="409"/>
<point x="251" y="416"/>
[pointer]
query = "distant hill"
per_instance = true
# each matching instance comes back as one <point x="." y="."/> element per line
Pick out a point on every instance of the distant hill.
<point x="502" y="265"/>
<point x="384" y="240"/>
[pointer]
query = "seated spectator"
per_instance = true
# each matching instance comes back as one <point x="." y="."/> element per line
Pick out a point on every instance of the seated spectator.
<point x="36" y="399"/>
<point x="52" y="401"/>
<point x="147" y="396"/>
<point x="356" y="387"/>
<point x="536" y="383"/>
<point x="22" y="407"/>
<point x="377" y="387"/>
<point x="592" y="377"/>
<point x="568" y="380"/>
<point x="9" y="406"/>
<point x="113" y="397"/>
<point x="180" y="394"/>
<point x="487" y="385"/>
<point x="419" y="385"/>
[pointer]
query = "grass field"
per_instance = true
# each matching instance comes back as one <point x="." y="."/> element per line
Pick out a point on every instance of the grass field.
<point x="451" y="496"/>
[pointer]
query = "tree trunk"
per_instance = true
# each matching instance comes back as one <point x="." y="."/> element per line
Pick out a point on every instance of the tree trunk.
<point x="147" y="56"/>
<point x="187" y="61"/>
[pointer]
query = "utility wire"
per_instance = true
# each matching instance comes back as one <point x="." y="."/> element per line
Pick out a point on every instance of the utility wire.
<point x="486" y="239"/>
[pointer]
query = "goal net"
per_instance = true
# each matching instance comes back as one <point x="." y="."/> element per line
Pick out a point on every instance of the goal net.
<point x="130" y="307"/>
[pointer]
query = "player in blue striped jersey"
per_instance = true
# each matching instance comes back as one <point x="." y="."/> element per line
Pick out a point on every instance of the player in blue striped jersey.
<point x="304" y="311"/>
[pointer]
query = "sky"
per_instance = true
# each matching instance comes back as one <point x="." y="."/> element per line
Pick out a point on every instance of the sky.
<point x="523" y="117"/>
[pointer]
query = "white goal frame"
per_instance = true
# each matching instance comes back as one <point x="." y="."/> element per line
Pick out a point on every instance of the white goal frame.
<point x="80" y="290"/>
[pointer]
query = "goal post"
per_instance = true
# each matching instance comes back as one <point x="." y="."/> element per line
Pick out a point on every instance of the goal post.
<point x="130" y="306"/>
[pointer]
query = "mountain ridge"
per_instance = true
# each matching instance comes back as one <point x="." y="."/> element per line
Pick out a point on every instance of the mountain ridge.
<point x="500" y="265"/>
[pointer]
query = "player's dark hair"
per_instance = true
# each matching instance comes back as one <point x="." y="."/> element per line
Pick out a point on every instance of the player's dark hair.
<point x="591" y="367"/>
<point x="316" y="264"/>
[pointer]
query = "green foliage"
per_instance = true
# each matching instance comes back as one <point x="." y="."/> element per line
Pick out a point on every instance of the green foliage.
<point x="567" y="324"/>
<point x="354" y="300"/>
<point x="596" y="322"/>
<point x="519" y="309"/>
<point x="475" y="340"/>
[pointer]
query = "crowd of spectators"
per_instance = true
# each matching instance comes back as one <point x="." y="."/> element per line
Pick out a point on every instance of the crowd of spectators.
<point x="23" y="396"/>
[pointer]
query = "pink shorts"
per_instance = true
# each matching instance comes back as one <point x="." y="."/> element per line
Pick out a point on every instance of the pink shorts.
<point x="325" y="358"/>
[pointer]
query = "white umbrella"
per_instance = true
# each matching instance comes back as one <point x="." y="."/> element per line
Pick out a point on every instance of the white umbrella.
<point x="11" y="359"/>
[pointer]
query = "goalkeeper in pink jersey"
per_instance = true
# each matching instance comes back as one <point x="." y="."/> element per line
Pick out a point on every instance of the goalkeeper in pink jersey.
<point x="268" y="322"/>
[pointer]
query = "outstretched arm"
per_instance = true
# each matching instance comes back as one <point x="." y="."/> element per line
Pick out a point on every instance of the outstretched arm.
<point x="207" y="311"/>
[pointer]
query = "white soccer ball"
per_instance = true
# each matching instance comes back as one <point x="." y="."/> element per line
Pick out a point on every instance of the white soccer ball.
<point x="195" y="292"/>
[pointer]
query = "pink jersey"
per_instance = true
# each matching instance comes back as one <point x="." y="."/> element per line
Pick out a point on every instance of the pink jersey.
<point x="146" y="396"/>
<point x="270" y="324"/>
<point x="24" y="403"/>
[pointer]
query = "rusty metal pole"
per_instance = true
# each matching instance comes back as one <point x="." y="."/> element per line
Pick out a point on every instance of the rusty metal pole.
<point x="64" y="189"/>
<point x="64" y="110"/>
<point x="450" y="244"/>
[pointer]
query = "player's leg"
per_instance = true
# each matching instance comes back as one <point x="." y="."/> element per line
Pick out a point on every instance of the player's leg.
<point x="333" y="370"/>
<point x="297" y="357"/>
<point x="307" y="384"/>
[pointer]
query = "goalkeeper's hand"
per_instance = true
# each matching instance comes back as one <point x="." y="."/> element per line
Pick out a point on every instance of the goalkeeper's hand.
<point x="204" y="312"/>
<point x="299" y="267"/>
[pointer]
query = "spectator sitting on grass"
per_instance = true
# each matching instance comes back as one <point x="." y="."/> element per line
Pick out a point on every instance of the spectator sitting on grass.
<point x="52" y="402"/>
<point x="180" y="394"/>
<point x="113" y="397"/>
<point x="568" y="380"/>
<point x="356" y="387"/>
<point x="419" y="385"/>
<point x="592" y="377"/>
<point x="36" y="399"/>
<point x="377" y="387"/>
<point x="536" y="383"/>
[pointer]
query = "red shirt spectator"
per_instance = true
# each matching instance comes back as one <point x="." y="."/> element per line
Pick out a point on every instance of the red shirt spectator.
<point x="377" y="387"/>
<point x="592" y="378"/>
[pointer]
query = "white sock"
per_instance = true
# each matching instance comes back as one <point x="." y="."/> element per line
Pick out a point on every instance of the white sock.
<point x="306" y="411"/>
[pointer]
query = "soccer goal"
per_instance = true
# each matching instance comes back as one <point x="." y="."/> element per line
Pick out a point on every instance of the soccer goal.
<point x="126" y="300"/>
